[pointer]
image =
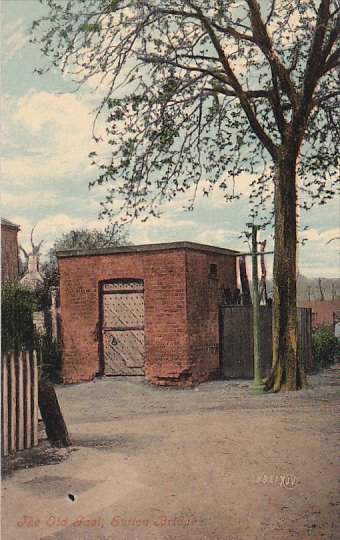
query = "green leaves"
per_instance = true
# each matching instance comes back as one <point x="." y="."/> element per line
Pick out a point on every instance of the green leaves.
<point x="168" y="90"/>
<point x="112" y="103"/>
<point x="326" y="348"/>
<point x="90" y="239"/>
<point x="239" y="141"/>
<point x="17" y="329"/>
<point x="90" y="27"/>
<point x="112" y="6"/>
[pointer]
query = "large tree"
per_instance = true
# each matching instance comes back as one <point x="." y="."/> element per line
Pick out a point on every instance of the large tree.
<point x="203" y="91"/>
<point x="80" y="239"/>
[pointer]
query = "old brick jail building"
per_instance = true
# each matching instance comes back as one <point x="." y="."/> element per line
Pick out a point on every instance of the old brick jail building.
<point x="150" y="309"/>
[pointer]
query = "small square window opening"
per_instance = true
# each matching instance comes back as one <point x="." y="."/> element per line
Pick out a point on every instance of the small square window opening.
<point x="213" y="271"/>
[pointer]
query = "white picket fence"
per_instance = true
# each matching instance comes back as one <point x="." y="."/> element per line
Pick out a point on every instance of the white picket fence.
<point x="19" y="399"/>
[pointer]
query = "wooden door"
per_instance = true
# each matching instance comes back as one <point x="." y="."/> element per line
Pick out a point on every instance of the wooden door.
<point x="123" y="328"/>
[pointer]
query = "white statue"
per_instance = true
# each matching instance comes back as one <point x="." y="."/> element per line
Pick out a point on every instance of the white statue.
<point x="32" y="279"/>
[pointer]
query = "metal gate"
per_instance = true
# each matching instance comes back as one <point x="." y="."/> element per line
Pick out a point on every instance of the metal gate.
<point x="123" y="327"/>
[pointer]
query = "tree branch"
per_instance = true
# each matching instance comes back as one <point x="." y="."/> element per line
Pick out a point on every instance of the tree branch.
<point x="318" y="101"/>
<point x="314" y="66"/>
<point x="154" y="59"/>
<point x="265" y="44"/>
<point x="271" y="12"/>
<point x="236" y="85"/>
<point x="251" y="94"/>
<point x="331" y="63"/>
<point x="315" y="54"/>
<point x="227" y="30"/>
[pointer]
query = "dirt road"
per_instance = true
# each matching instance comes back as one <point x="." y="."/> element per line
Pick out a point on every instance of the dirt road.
<point x="215" y="462"/>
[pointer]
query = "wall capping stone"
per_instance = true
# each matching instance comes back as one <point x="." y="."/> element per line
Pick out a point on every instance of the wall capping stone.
<point x="193" y="246"/>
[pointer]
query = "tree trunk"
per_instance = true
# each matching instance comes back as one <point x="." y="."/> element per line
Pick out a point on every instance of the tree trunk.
<point x="55" y="426"/>
<point x="246" y="297"/>
<point x="263" y="280"/>
<point x="287" y="371"/>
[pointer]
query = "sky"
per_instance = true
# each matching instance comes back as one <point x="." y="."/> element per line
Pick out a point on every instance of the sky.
<point x="45" y="169"/>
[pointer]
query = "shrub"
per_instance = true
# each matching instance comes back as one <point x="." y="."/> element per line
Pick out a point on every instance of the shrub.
<point x="17" y="329"/>
<point x="326" y="348"/>
<point x="18" y="332"/>
<point x="50" y="359"/>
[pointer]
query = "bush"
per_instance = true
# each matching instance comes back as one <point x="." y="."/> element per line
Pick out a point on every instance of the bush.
<point x="17" y="329"/>
<point x="18" y="332"/>
<point x="326" y="348"/>
<point x="50" y="359"/>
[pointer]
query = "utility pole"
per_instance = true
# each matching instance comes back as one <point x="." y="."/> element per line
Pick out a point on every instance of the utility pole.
<point x="258" y="386"/>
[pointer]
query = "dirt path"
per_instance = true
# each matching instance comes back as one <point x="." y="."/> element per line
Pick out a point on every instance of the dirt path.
<point x="215" y="462"/>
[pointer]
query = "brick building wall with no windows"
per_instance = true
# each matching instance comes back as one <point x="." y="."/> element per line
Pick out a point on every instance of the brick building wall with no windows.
<point x="208" y="275"/>
<point x="181" y="301"/>
<point x="9" y="252"/>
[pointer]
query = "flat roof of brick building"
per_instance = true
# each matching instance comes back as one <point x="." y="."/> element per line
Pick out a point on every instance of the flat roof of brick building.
<point x="145" y="248"/>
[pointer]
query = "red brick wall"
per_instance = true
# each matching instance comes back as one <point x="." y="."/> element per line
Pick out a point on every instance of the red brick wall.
<point x="167" y="357"/>
<point x="165" y="312"/>
<point x="9" y="254"/>
<point x="181" y="312"/>
<point x="322" y="311"/>
<point x="204" y="296"/>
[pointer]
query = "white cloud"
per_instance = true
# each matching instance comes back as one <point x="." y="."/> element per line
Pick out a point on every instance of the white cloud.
<point x="222" y="237"/>
<point x="172" y="223"/>
<point x="215" y="200"/>
<point x="317" y="256"/>
<point x="14" y="37"/>
<point x="322" y="237"/>
<point x="48" y="229"/>
<point x="140" y="234"/>
<point x="57" y="130"/>
<point x="31" y="199"/>
<point x="165" y="229"/>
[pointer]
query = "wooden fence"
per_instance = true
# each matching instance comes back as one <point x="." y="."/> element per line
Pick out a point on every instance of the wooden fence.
<point x="236" y="340"/>
<point x="19" y="399"/>
<point x="305" y="336"/>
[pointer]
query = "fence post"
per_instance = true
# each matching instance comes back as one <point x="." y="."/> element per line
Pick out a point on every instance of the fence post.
<point x="55" y="426"/>
<point x="20" y="402"/>
<point x="35" y="399"/>
<point x="13" y="402"/>
<point x="28" y="403"/>
<point x="4" y="389"/>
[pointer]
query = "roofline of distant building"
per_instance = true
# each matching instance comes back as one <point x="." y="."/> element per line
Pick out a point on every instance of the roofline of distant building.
<point x="7" y="223"/>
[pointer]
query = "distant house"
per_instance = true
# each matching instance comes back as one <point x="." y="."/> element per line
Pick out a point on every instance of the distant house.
<point x="9" y="251"/>
<point x="336" y="317"/>
<point x="323" y="311"/>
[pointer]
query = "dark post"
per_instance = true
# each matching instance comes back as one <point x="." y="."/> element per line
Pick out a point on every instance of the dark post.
<point x="55" y="426"/>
